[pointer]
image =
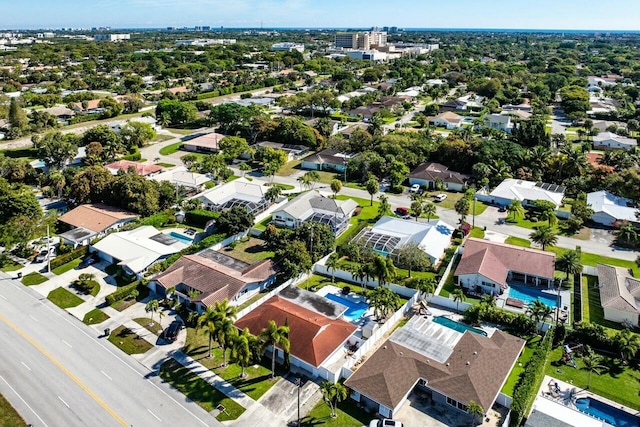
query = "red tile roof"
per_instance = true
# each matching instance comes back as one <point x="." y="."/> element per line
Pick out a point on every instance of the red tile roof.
<point x="494" y="260"/>
<point x="314" y="337"/>
<point x="139" y="168"/>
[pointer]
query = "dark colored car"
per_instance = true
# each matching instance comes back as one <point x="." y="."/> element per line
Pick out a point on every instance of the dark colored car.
<point x="171" y="333"/>
<point x="91" y="259"/>
<point x="502" y="209"/>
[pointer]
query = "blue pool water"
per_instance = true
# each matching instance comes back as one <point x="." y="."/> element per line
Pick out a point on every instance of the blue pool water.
<point x="181" y="237"/>
<point x="355" y="310"/>
<point x="528" y="295"/>
<point x="457" y="326"/>
<point x="609" y="414"/>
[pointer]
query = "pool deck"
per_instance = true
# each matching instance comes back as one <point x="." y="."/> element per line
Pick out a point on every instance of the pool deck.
<point x="353" y="297"/>
<point x="561" y="405"/>
<point x="565" y="301"/>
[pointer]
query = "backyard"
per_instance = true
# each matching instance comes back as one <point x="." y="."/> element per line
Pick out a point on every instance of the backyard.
<point x="198" y="390"/>
<point x="365" y="217"/>
<point x="510" y="385"/>
<point x="250" y="250"/>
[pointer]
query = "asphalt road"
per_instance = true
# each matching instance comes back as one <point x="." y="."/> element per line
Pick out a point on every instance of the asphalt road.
<point x="56" y="372"/>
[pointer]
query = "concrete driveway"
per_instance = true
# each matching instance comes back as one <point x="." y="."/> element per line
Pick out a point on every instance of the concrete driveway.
<point x="418" y="411"/>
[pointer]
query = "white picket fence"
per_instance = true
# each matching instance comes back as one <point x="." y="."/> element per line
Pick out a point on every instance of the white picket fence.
<point x="271" y="293"/>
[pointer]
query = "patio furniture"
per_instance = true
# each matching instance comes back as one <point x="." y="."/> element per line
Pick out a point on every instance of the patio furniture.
<point x="515" y="302"/>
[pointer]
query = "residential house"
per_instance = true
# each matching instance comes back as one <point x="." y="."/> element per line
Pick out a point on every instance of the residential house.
<point x="488" y="267"/>
<point x="348" y="131"/>
<point x="428" y="174"/>
<point x="527" y="192"/>
<point x="62" y="114"/>
<point x="215" y="277"/>
<point x="313" y="206"/>
<point x="88" y="222"/>
<point x="499" y="122"/>
<point x="318" y="335"/>
<point x="610" y="210"/>
<point x="365" y="111"/>
<point x="239" y="192"/>
<point x="88" y="107"/>
<point x="207" y="143"/>
<point x="619" y="295"/>
<point x="177" y="90"/>
<point x="293" y="151"/>
<point x="138" y="168"/>
<point x="469" y="102"/>
<point x="327" y="160"/>
<point x="517" y="114"/>
<point x="525" y="106"/>
<point x="182" y="177"/>
<point x="454" y="368"/>
<point x="390" y="234"/>
<point x="447" y="119"/>
<point x="136" y="250"/>
<point x="611" y="141"/>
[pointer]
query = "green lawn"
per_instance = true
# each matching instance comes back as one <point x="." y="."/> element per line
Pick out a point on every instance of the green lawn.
<point x="290" y="168"/>
<point x="250" y="301"/>
<point x="145" y="322"/>
<point x="63" y="298"/>
<point x="180" y="131"/>
<point x="257" y="380"/>
<point x="477" y="232"/>
<point x="33" y="278"/>
<point x="348" y="415"/>
<point x="8" y="415"/>
<point x="66" y="267"/>
<point x="509" y="386"/>
<point x="93" y="123"/>
<point x="317" y="282"/>
<point x="518" y="241"/>
<point x="592" y="309"/>
<point x="284" y="187"/>
<point x="450" y="201"/>
<point x="162" y="137"/>
<point x="616" y="382"/>
<point x="366" y="216"/>
<point x="249" y="251"/>
<point x="198" y="390"/>
<point x="594" y="259"/>
<point x="165" y="165"/>
<point x="262" y="225"/>
<point x="587" y="281"/>
<point x="10" y="266"/>
<point x="94" y="317"/>
<point x="129" y="342"/>
<point x="123" y="304"/>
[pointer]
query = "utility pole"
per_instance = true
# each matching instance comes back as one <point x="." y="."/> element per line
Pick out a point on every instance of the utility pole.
<point x="473" y="225"/>
<point x="298" y="386"/>
<point x="48" y="251"/>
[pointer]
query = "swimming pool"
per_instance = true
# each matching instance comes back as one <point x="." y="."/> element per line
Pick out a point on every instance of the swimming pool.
<point x="609" y="414"/>
<point x="528" y="295"/>
<point x="457" y="326"/>
<point x="355" y="310"/>
<point x="181" y="237"/>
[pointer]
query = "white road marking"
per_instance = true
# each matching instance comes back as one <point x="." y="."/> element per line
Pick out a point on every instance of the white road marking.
<point x="105" y="374"/>
<point x="70" y="346"/>
<point x="65" y="403"/>
<point x="33" y="318"/>
<point x="3" y="297"/>
<point x="154" y="415"/>
<point x="25" y="365"/>
<point x="23" y="401"/>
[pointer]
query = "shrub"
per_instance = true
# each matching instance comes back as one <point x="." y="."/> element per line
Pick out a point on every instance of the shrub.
<point x="346" y="290"/>
<point x="529" y="381"/>
<point x="124" y="292"/>
<point x="160" y="219"/>
<point x="68" y="257"/>
<point x="200" y="217"/>
<point x="133" y="157"/>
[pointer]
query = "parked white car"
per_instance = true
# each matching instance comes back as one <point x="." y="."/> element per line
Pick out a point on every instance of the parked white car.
<point x="414" y="188"/>
<point x="386" y="422"/>
<point x="440" y="197"/>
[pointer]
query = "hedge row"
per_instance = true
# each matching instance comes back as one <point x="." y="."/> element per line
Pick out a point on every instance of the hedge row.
<point x="529" y="381"/>
<point x="200" y="217"/>
<point x="123" y="292"/>
<point x="517" y="323"/>
<point x="68" y="257"/>
<point x="132" y="157"/>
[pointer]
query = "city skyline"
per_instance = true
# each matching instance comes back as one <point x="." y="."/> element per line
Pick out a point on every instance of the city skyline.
<point x="619" y="15"/>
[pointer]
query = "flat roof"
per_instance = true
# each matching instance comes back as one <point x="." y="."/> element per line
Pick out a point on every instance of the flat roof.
<point x="428" y="338"/>
<point x="312" y="301"/>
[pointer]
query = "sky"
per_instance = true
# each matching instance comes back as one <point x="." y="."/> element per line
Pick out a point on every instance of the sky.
<point x="503" y="14"/>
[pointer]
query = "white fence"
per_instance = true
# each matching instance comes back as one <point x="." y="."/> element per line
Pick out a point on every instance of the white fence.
<point x="271" y="293"/>
<point x="443" y="279"/>
<point x="448" y="303"/>
<point x="504" y="400"/>
<point x="589" y="270"/>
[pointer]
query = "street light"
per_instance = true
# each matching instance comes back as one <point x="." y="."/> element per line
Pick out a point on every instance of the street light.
<point x="473" y="222"/>
<point x="298" y="384"/>
<point x="558" y="303"/>
<point x="344" y="162"/>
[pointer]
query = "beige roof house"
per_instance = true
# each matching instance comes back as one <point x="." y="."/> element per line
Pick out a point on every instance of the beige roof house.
<point x="96" y="217"/>
<point x="618" y="288"/>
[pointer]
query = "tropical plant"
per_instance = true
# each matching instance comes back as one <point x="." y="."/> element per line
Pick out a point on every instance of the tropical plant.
<point x="592" y="364"/>
<point x="547" y="212"/>
<point x="544" y="236"/>
<point x="275" y="335"/>
<point x="207" y="321"/>
<point x="569" y="262"/>
<point x="417" y="207"/>
<point x="151" y="307"/>
<point x="332" y="394"/>
<point x="225" y="333"/>
<point x="458" y="296"/>
<point x="384" y="208"/>
<point x="627" y="234"/>
<point x="304" y="181"/>
<point x="241" y="351"/>
<point x="312" y="177"/>
<point x="516" y="210"/>
<point x="273" y="193"/>
<point x="361" y="273"/>
<point x="539" y="311"/>
<point x="462" y="208"/>
<point x="382" y="269"/>
<point x="372" y="185"/>
<point x="427" y="286"/>
<point x="336" y="186"/>
<point x="476" y="411"/>
<point x="384" y="301"/>
<point x="627" y="344"/>
<point x="429" y="209"/>
<point x="332" y="263"/>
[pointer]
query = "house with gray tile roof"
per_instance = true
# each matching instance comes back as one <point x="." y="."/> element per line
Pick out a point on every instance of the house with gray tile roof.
<point x="619" y="294"/>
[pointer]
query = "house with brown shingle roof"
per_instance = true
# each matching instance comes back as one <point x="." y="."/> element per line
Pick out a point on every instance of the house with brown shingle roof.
<point x="215" y="277"/>
<point x="488" y="267"/>
<point x="426" y="175"/>
<point x="87" y="222"/>
<point x="316" y="338"/>
<point x="455" y="368"/>
<point x="619" y="294"/>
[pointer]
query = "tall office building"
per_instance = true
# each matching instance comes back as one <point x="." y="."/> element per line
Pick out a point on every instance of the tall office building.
<point x="362" y="41"/>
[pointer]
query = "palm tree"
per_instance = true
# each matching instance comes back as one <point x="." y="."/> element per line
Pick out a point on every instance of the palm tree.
<point x="488" y="300"/>
<point x="462" y="208"/>
<point x="372" y="185"/>
<point x="332" y="394"/>
<point x="383" y="300"/>
<point x="332" y="264"/>
<point x="476" y="411"/>
<point x="569" y="262"/>
<point x="627" y="234"/>
<point x="273" y="193"/>
<point x="275" y="335"/>
<point x="539" y="311"/>
<point x="336" y="186"/>
<point x="208" y="320"/>
<point x="226" y="310"/>
<point x="241" y="352"/>
<point x="592" y="364"/>
<point x="224" y="335"/>
<point x="429" y="209"/>
<point x="458" y="295"/>
<point x="361" y="273"/>
<point x="427" y="286"/>
<point x="627" y="343"/>
<point x="385" y="207"/>
<point x="151" y="307"/>
<point x="312" y="177"/>
<point x="544" y="236"/>
<point x="383" y="269"/>
<point x="304" y="181"/>
<point x="417" y="207"/>
<point x="516" y="210"/>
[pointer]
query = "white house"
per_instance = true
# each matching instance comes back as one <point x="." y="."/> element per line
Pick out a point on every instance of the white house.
<point x="91" y="221"/>
<point x="448" y="120"/>
<point x="619" y="294"/>
<point x="608" y="209"/>
<point x="390" y="234"/>
<point x="314" y="206"/>
<point x="487" y="267"/>
<point x="499" y="122"/>
<point x="526" y="192"/>
<point x="181" y="176"/>
<point x="608" y="140"/>
<point x="135" y="250"/>
<point x="239" y="192"/>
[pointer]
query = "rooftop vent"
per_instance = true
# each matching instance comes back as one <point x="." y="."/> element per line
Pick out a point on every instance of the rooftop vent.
<point x="468" y="363"/>
<point x="475" y="353"/>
